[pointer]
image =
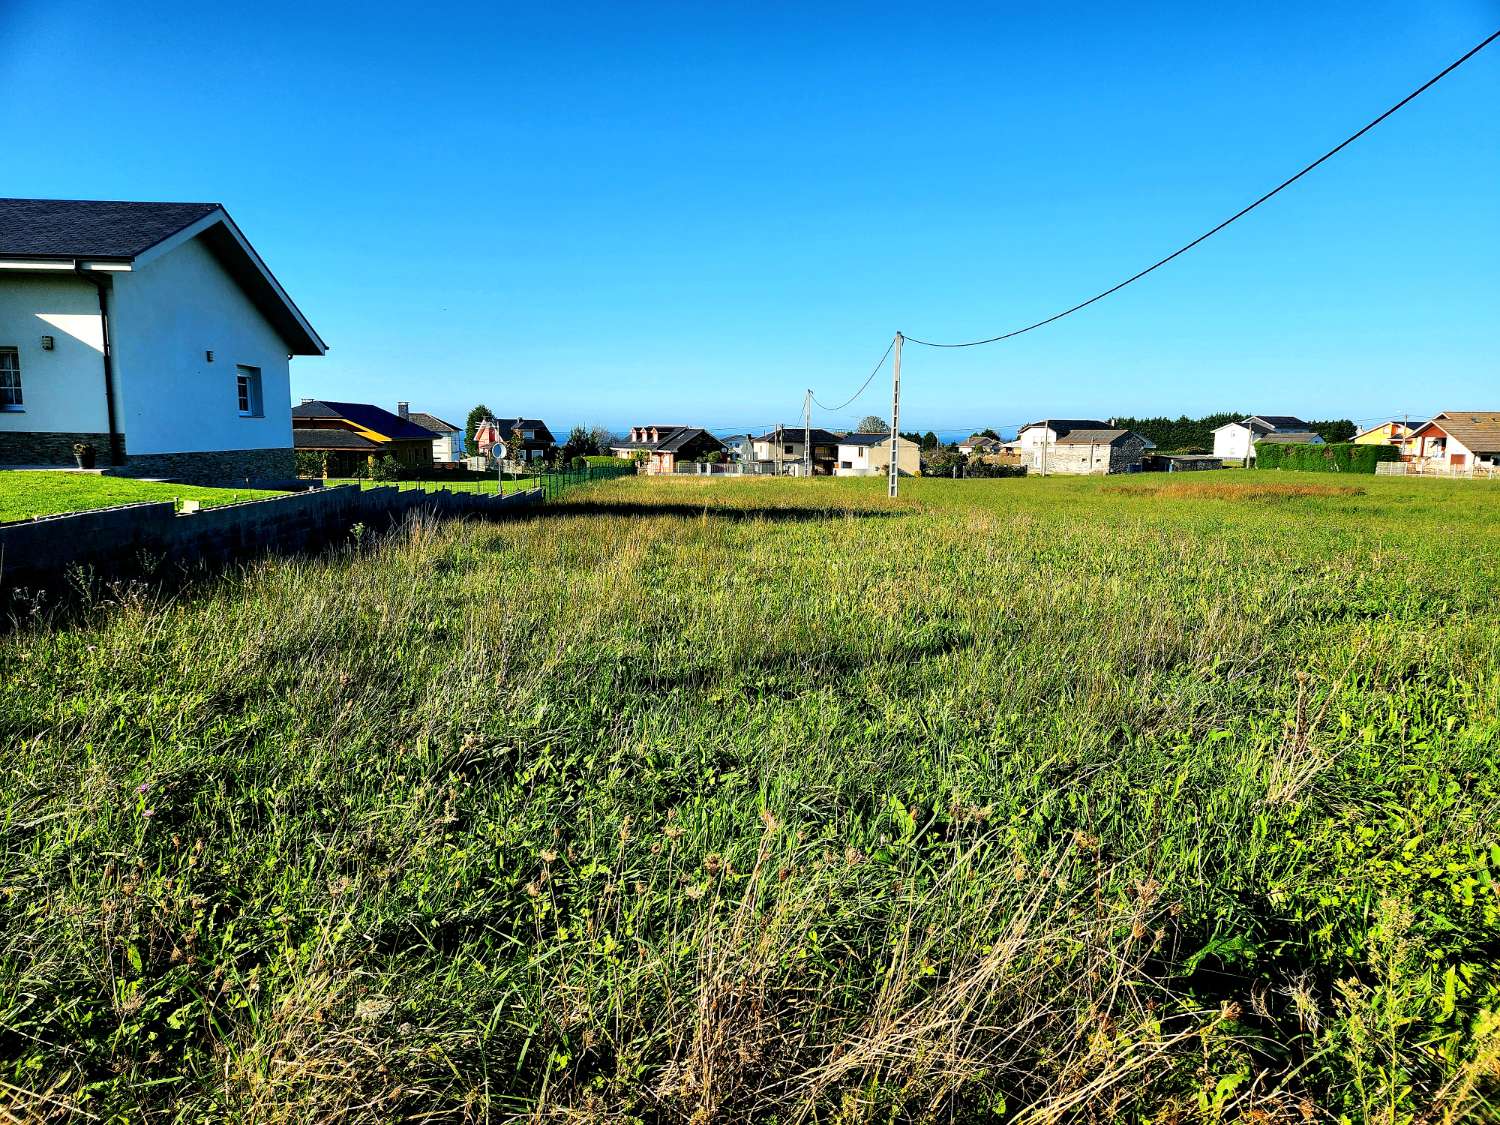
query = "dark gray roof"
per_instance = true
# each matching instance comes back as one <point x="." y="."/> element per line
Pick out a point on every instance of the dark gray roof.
<point x="331" y="439"/>
<point x="673" y="438"/>
<point x="434" y="423"/>
<point x="1105" y="435"/>
<point x="1297" y="437"/>
<point x="865" y="439"/>
<point x="794" y="434"/>
<point x="543" y="434"/>
<point x="1280" y="421"/>
<point x="364" y="414"/>
<point x="91" y="228"/>
<point x="1063" y="425"/>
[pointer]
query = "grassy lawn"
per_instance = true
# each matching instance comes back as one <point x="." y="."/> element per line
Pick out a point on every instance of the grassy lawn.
<point x="27" y="494"/>
<point x="1159" y="799"/>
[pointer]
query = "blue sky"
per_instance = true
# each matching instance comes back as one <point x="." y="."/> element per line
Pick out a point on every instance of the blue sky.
<point x="690" y="213"/>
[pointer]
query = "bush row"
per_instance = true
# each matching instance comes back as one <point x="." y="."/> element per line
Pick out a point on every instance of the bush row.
<point x="1339" y="457"/>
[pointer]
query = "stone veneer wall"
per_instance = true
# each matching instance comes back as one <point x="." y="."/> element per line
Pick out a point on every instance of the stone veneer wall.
<point x="226" y="466"/>
<point x="37" y="448"/>
<point x="115" y="541"/>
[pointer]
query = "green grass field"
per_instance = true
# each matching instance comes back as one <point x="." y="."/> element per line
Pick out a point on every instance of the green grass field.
<point x="27" y="494"/>
<point x="1066" y="800"/>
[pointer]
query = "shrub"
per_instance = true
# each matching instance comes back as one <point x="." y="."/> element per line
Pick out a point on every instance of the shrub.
<point x="312" y="464"/>
<point x="1341" y="457"/>
<point x="385" y="467"/>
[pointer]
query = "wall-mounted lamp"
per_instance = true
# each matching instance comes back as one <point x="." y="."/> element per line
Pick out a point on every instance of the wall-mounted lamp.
<point x="47" y="343"/>
<point x="209" y="355"/>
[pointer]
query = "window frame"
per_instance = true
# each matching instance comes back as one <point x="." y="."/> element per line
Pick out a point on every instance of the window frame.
<point x="16" y="404"/>
<point x="249" y="398"/>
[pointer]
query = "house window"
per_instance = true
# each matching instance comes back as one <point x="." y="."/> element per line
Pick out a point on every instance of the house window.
<point x="846" y="464"/>
<point x="10" y="379"/>
<point x="786" y="448"/>
<point x="247" y="387"/>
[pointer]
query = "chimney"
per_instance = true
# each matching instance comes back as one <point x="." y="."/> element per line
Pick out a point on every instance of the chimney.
<point x="403" y="409"/>
<point x="305" y="401"/>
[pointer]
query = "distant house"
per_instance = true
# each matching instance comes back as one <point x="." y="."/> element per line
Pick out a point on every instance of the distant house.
<point x="740" y="448"/>
<point x="869" y="455"/>
<point x="357" y="434"/>
<point x="536" y="439"/>
<point x="1387" y="433"/>
<point x="780" y="450"/>
<point x="1034" y="435"/>
<point x="1457" y="439"/>
<point x="665" y="447"/>
<point x="1081" y="446"/>
<point x="1236" y="440"/>
<point x="193" y="383"/>
<point x="447" y="439"/>
<point x="981" y="445"/>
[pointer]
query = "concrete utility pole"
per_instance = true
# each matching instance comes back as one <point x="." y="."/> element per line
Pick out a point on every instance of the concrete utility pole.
<point x="807" y="431"/>
<point x="780" y="449"/>
<point x="894" y="469"/>
<point x="1046" y="432"/>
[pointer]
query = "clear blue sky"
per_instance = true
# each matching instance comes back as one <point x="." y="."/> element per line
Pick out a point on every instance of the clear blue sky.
<point x="690" y="212"/>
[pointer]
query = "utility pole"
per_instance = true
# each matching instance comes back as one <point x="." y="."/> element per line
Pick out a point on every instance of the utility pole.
<point x="894" y="469"/>
<point x="807" y="431"/>
<point x="780" y="449"/>
<point x="1046" y="432"/>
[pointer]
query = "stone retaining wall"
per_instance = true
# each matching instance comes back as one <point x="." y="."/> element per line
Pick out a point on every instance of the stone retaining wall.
<point x="115" y="541"/>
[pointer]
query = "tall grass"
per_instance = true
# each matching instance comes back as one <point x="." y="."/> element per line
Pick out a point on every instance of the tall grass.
<point x="716" y="801"/>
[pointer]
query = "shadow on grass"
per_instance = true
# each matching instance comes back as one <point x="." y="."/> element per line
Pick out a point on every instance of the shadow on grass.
<point x="770" y="513"/>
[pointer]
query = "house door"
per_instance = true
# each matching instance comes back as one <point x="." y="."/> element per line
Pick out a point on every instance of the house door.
<point x="1457" y="460"/>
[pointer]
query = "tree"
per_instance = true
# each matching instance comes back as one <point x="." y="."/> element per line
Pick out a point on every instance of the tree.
<point x="870" y="424"/>
<point x="1335" y="430"/>
<point x="930" y="440"/>
<point x="989" y="434"/>
<point x="480" y="413"/>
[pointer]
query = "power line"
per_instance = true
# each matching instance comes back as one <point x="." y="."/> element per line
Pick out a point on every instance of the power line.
<point x="865" y="384"/>
<point x="1237" y="215"/>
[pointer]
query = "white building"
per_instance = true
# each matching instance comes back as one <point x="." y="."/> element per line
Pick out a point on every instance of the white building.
<point x="447" y="439"/>
<point x="1456" y="440"/>
<point x="1236" y="440"/>
<point x="152" y="332"/>
<point x="869" y="455"/>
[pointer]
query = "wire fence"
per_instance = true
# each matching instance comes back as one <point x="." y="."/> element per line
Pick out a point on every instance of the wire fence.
<point x="552" y="483"/>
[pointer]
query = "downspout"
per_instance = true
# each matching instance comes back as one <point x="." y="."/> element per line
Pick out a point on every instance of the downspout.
<point x="115" y="454"/>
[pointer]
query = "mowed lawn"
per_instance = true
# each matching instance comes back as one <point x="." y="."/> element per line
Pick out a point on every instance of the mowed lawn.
<point x="26" y="494"/>
<point x="1167" y="799"/>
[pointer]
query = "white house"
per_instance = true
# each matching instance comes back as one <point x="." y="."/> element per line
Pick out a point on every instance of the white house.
<point x="152" y="332"/>
<point x="1081" y="446"/>
<point x="1458" y="440"/>
<point x="869" y="455"/>
<point x="447" y="439"/>
<point x="1236" y="440"/>
<point x="1035" y="435"/>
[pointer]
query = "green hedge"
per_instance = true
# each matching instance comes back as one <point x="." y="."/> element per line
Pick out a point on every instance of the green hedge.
<point x="1339" y="457"/>
<point x="608" y="462"/>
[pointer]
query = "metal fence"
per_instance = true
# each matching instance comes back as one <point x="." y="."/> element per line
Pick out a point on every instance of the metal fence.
<point x="552" y="483"/>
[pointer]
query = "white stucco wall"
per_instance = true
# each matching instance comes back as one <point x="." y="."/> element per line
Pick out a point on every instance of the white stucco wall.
<point x="64" y="388"/>
<point x="1232" y="440"/>
<point x="163" y="317"/>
